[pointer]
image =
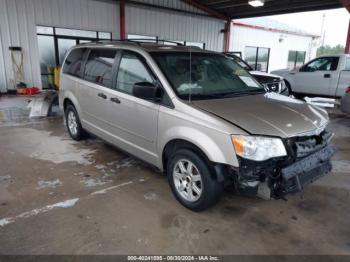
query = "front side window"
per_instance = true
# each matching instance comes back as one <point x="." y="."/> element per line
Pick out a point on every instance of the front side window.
<point x="131" y="71"/>
<point x="98" y="68"/>
<point x="205" y="75"/>
<point x="74" y="61"/>
<point x="322" y="64"/>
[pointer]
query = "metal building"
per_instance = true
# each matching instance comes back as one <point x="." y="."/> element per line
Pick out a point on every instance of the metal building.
<point x="274" y="45"/>
<point x="45" y="29"/>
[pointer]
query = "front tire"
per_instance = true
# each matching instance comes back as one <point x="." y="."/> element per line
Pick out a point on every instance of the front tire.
<point x="289" y="91"/>
<point x="191" y="181"/>
<point x="73" y="124"/>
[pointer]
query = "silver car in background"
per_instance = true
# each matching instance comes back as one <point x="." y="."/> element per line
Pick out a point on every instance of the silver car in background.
<point x="197" y="116"/>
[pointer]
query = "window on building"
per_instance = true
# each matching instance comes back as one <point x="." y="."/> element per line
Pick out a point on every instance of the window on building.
<point x="171" y="42"/>
<point x="63" y="46"/>
<point x="131" y="70"/>
<point x="54" y="43"/>
<point x="143" y="38"/>
<point x="197" y="44"/>
<point x="98" y="68"/>
<point x="104" y="35"/>
<point x="257" y="57"/>
<point x="296" y="59"/>
<point x="46" y="46"/>
<point x="75" y="32"/>
<point x="74" y="61"/>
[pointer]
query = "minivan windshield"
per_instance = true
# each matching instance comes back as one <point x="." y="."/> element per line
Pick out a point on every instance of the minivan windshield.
<point x="206" y="75"/>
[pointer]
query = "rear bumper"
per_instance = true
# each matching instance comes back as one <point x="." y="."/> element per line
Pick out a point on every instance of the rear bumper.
<point x="307" y="170"/>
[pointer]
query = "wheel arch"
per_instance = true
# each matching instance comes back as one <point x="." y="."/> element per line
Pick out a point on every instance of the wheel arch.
<point x="176" y="144"/>
<point x="218" y="170"/>
<point x="215" y="146"/>
<point x="69" y="98"/>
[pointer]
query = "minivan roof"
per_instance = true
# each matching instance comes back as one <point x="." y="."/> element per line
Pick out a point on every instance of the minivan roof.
<point x="146" y="46"/>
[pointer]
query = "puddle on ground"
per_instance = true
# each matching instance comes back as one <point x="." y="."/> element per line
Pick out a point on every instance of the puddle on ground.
<point x="341" y="166"/>
<point x="40" y="144"/>
<point x="49" y="184"/>
<point x="94" y="182"/>
<point x="100" y="167"/>
<point x="151" y="196"/>
<point x="4" y="179"/>
<point x="124" y="163"/>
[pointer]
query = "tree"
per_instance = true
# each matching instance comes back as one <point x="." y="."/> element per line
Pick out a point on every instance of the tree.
<point x="328" y="50"/>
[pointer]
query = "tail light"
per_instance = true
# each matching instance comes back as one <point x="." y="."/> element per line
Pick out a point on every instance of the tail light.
<point x="348" y="90"/>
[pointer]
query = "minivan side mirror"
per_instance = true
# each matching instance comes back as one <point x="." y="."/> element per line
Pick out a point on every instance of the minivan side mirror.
<point x="145" y="90"/>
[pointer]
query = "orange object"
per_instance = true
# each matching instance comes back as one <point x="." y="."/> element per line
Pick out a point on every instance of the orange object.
<point x="238" y="143"/>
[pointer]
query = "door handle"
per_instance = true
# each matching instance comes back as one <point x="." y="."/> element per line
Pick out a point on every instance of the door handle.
<point x="327" y="75"/>
<point x="115" y="100"/>
<point x="102" y="95"/>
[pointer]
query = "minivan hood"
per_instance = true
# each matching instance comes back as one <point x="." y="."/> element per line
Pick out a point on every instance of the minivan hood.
<point x="268" y="114"/>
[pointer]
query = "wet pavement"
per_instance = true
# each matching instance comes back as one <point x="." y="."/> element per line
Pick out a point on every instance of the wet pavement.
<point x="58" y="196"/>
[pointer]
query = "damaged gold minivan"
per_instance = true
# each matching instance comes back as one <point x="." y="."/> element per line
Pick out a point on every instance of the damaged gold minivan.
<point x="196" y="115"/>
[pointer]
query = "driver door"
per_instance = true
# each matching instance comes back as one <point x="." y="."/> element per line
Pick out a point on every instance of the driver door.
<point x="133" y="121"/>
<point x="316" y="76"/>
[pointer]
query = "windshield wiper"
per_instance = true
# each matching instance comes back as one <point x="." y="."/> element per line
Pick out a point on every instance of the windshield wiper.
<point x="227" y="95"/>
<point x="251" y="92"/>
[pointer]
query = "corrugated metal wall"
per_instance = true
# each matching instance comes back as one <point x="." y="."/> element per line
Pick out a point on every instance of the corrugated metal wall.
<point x="18" y="19"/>
<point x="173" y="4"/>
<point x="175" y="26"/>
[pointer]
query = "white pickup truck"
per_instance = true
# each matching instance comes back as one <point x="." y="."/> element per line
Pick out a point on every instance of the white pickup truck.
<point x="326" y="76"/>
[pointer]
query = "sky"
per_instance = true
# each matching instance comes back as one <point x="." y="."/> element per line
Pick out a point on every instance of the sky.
<point x="336" y="24"/>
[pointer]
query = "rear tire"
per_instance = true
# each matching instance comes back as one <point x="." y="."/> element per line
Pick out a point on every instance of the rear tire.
<point x="191" y="180"/>
<point x="73" y="124"/>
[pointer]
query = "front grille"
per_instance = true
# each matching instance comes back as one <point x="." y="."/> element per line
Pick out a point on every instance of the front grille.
<point x="273" y="86"/>
<point x="304" y="146"/>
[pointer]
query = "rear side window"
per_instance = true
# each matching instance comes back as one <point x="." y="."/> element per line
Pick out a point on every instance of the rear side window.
<point x="74" y="61"/>
<point x="131" y="71"/>
<point x="99" y="66"/>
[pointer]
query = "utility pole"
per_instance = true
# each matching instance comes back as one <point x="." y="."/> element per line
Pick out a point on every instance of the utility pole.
<point x="323" y="31"/>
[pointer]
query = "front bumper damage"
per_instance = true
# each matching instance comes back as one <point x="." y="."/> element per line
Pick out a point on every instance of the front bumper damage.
<point x="307" y="170"/>
<point x="307" y="160"/>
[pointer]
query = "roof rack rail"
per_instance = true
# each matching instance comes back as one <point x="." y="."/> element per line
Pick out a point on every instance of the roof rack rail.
<point x="157" y="41"/>
<point x="108" y="41"/>
<point x="137" y="41"/>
